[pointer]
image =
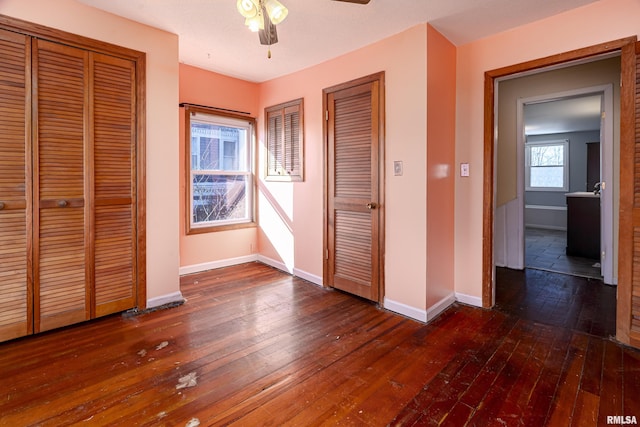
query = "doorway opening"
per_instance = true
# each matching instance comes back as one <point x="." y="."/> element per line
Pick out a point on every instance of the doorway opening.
<point x="565" y="180"/>
<point x="505" y="206"/>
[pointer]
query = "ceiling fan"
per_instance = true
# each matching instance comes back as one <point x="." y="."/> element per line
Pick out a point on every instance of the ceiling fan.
<point x="267" y="32"/>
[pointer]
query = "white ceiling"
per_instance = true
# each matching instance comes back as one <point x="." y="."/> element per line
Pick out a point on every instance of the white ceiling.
<point x="212" y="34"/>
<point x="581" y="113"/>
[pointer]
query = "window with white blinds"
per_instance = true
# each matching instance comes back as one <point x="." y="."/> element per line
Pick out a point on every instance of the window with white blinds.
<point x="284" y="141"/>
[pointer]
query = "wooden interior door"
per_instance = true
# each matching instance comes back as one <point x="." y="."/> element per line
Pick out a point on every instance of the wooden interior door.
<point x="15" y="194"/>
<point x="61" y="216"/>
<point x="353" y="218"/>
<point x="628" y="306"/>
<point x="113" y="197"/>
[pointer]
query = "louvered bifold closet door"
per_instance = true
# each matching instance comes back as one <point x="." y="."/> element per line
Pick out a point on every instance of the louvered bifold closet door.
<point x="61" y="221"/>
<point x="113" y="119"/>
<point x="353" y="173"/>
<point x="15" y="194"/>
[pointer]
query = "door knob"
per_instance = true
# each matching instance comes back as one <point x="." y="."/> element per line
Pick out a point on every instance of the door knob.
<point x="371" y="205"/>
<point x="62" y="203"/>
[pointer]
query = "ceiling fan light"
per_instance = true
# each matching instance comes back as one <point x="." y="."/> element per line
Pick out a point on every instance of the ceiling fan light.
<point x="255" y="23"/>
<point x="247" y="8"/>
<point x="277" y="11"/>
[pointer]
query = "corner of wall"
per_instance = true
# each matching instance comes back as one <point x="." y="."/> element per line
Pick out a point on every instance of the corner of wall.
<point x="199" y="252"/>
<point x="441" y="121"/>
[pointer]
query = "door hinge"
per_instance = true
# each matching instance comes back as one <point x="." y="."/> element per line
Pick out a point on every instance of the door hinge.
<point x="604" y="114"/>
<point x="326" y="254"/>
<point x="326" y="115"/>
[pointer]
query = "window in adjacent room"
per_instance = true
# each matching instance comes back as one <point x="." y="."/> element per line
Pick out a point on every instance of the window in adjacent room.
<point x="284" y="141"/>
<point x="220" y="181"/>
<point x="547" y="167"/>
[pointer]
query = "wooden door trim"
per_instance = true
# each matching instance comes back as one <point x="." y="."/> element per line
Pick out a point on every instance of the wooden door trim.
<point x="627" y="222"/>
<point x="375" y="77"/>
<point x="625" y="45"/>
<point x="140" y="64"/>
<point x="29" y="181"/>
<point x="55" y="35"/>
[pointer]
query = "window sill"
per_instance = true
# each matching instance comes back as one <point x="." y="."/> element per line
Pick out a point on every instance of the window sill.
<point x="284" y="178"/>
<point x="216" y="228"/>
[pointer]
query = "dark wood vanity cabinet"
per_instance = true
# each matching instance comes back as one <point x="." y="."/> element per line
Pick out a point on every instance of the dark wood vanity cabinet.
<point x="583" y="225"/>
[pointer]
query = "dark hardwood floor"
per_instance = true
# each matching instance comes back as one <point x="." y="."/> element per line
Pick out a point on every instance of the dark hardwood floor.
<point x="572" y="302"/>
<point x="546" y="250"/>
<point x="253" y="346"/>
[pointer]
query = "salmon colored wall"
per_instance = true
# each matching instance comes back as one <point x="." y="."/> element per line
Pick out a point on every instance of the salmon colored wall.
<point x="198" y="86"/>
<point x="441" y="127"/>
<point x="291" y="214"/>
<point x="163" y="282"/>
<point x="203" y="87"/>
<point x="595" y="23"/>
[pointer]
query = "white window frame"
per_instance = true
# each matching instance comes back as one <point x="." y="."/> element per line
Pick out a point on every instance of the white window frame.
<point x="565" y="165"/>
<point x="245" y="168"/>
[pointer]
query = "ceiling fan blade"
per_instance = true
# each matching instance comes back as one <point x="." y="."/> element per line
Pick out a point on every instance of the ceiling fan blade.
<point x="355" y="1"/>
<point x="269" y="35"/>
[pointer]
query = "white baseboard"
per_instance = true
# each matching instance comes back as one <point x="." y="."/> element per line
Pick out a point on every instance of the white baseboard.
<point x="405" y="310"/>
<point x="316" y="280"/>
<point x="165" y="299"/>
<point x="417" y="313"/>
<point x="197" y="268"/>
<point x="545" y="227"/>
<point x="468" y="299"/>
<point x="546" y="207"/>
<point x="440" y="306"/>
<point x="275" y="264"/>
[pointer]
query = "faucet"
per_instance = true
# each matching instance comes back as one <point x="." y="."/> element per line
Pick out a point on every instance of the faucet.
<point x="597" y="187"/>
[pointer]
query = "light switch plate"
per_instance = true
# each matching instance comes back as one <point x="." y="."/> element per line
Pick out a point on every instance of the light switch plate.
<point x="397" y="168"/>
<point x="464" y="169"/>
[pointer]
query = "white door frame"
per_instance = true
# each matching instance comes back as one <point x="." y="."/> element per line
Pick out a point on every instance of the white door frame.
<point x="606" y="171"/>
